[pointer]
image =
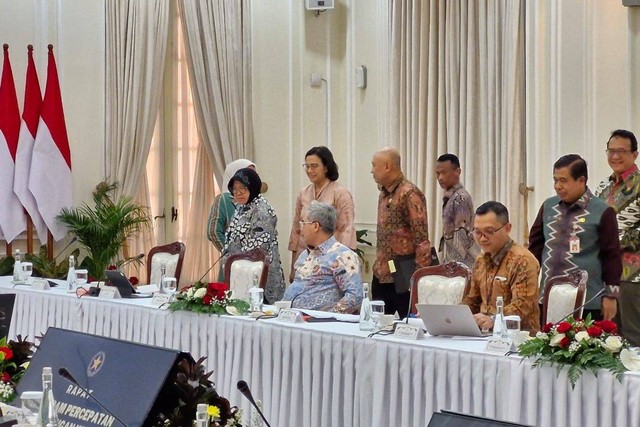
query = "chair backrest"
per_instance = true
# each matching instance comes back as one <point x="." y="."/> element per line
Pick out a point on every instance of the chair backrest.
<point x="171" y="255"/>
<point x="440" y="284"/>
<point x="563" y="294"/>
<point x="241" y="269"/>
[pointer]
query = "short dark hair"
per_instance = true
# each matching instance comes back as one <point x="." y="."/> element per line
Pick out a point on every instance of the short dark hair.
<point x="501" y="211"/>
<point x="577" y="165"/>
<point x="327" y="160"/>
<point x="450" y="158"/>
<point x="626" y="134"/>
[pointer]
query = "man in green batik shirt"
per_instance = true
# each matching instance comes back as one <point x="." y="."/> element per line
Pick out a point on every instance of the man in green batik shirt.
<point x="621" y="191"/>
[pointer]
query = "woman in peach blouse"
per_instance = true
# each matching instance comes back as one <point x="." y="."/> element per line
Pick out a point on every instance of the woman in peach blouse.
<point x="322" y="171"/>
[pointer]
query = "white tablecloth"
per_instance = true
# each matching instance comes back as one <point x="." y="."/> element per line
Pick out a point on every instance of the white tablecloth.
<point x="331" y="374"/>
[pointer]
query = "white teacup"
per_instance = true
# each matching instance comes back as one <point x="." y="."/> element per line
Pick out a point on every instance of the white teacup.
<point x="386" y="321"/>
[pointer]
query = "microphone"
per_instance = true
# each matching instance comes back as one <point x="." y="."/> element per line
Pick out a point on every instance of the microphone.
<point x="244" y="389"/>
<point x="210" y="268"/>
<point x="300" y="293"/>
<point x="64" y="373"/>
<point x="600" y="292"/>
<point x="130" y="260"/>
<point x="75" y="238"/>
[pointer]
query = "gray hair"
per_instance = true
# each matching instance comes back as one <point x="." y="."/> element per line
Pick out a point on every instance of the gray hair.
<point x="324" y="214"/>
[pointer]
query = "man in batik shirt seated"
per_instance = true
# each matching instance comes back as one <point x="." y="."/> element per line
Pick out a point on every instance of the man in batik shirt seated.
<point x="327" y="273"/>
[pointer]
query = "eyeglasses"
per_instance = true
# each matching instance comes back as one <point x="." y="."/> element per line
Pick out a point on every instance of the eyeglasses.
<point x="302" y="223"/>
<point x="306" y="166"/>
<point x="239" y="190"/>
<point x="617" y="151"/>
<point x="486" y="234"/>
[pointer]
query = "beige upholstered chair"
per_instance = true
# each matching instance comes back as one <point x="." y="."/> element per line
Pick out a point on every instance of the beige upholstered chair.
<point x="563" y="294"/>
<point x="240" y="270"/>
<point x="171" y="255"/>
<point x="440" y="284"/>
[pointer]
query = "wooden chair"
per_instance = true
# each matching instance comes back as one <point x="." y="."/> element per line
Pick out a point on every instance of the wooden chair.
<point x="241" y="269"/>
<point x="171" y="255"/>
<point x="563" y="294"/>
<point x="440" y="284"/>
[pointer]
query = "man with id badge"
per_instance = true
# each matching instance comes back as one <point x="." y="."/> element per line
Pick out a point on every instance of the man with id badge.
<point x="576" y="230"/>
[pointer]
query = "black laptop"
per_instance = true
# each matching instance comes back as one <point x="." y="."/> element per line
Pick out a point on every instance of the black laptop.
<point x="120" y="281"/>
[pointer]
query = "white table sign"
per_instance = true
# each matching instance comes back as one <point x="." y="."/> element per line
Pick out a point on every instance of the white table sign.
<point x="287" y="315"/>
<point x="408" y="332"/>
<point x="41" y="284"/>
<point x="109" y="292"/>
<point x="160" y="300"/>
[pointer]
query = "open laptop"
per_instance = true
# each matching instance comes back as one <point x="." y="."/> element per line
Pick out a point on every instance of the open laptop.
<point x="120" y="281"/>
<point x="449" y="320"/>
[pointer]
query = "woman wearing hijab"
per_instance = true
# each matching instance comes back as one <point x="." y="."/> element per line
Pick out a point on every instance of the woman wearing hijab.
<point x="254" y="226"/>
<point x="223" y="207"/>
<point x="322" y="171"/>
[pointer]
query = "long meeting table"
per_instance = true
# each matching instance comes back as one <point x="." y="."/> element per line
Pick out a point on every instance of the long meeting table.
<point x="332" y="374"/>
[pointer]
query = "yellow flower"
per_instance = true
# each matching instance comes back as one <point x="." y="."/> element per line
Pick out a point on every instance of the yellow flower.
<point x="213" y="411"/>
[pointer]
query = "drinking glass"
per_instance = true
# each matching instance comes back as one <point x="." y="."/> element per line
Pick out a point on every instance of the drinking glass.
<point x="27" y="271"/>
<point x="377" y="311"/>
<point x="170" y="285"/>
<point x="256" y="298"/>
<point x="513" y="326"/>
<point x="82" y="277"/>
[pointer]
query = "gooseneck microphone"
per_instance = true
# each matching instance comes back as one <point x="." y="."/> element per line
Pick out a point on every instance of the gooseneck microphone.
<point x="244" y="389"/>
<point x="133" y="259"/>
<point x="64" y="373"/>
<point x="210" y="268"/>
<point x="72" y="241"/>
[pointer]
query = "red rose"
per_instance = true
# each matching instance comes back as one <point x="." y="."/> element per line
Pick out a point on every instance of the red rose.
<point x="564" y="343"/>
<point x="607" y="325"/>
<point x="547" y="328"/>
<point x="8" y="353"/>
<point x="112" y="267"/>
<point x="6" y="377"/>
<point x="206" y="300"/>
<point x="134" y="280"/>
<point x="594" y="331"/>
<point x="563" y="327"/>
<point x="217" y="290"/>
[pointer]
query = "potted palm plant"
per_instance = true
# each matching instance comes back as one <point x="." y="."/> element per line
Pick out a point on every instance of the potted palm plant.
<point x="104" y="228"/>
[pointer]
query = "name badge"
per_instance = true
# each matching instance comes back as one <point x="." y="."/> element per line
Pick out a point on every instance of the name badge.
<point x="160" y="300"/>
<point x="499" y="345"/>
<point x="408" y="332"/>
<point x="392" y="266"/>
<point x="109" y="292"/>
<point x="574" y="245"/>
<point x="287" y="315"/>
<point x="41" y="284"/>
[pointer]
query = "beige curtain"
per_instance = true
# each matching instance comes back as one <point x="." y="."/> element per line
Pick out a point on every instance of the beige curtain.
<point x="219" y="56"/>
<point x="457" y="86"/>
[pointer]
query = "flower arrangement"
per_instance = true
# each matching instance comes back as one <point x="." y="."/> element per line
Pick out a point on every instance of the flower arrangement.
<point x="209" y="298"/>
<point x="580" y="345"/>
<point x="193" y="387"/>
<point x="14" y="360"/>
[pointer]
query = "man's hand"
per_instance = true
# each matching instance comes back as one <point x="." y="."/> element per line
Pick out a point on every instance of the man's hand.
<point x="609" y="308"/>
<point x="485" y="323"/>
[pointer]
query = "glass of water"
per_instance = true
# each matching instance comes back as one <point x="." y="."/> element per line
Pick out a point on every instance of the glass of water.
<point x="82" y="277"/>
<point x="27" y="271"/>
<point x="170" y="285"/>
<point x="377" y="311"/>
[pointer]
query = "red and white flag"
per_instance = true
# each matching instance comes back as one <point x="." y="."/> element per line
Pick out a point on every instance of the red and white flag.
<point x="50" y="173"/>
<point x="29" y="126"/>
<point x="12" y="218"/>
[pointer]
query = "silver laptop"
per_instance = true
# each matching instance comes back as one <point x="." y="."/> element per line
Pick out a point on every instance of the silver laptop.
<point x="449" y="320"/>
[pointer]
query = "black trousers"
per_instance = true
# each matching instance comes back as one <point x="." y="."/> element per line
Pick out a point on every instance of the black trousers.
<point x="392" y="301"/>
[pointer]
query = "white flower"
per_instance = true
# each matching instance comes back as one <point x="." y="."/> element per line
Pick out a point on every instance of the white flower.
<point x="555" y="340"/>
<point x="612" y="344"/>
<point x="583" y="335"/>
<point x="542" y="336"/>
<point x="574" y="346"/>
<point x="190" y="292"/>
<point x="200" y="293"/>
<point x="630" y="359"/>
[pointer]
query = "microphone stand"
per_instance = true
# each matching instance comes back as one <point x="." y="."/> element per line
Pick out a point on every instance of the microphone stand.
<point x="244" y="389"/>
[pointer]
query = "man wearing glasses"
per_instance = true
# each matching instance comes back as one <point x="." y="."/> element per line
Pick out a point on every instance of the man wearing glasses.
<point x="505" y="269"/>
<point x="575" y="230"/>
<point x="621" y="191"/>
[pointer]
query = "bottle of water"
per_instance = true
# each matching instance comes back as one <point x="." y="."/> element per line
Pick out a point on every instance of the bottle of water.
<point x="17" y="267"/>
<point x="71" y="275"/>
<point x="163" y="273"/>
<point x="366" y="321"/>
<point x="47" y="415"/>
<point x="201" y="415"/>
<point x="499" y="322"/>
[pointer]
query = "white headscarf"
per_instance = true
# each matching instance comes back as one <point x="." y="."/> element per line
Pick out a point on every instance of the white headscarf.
<point x="231" y="170"/>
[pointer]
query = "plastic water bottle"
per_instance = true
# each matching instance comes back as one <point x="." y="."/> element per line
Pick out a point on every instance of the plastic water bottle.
<point x="163" y="273"/>
<point x="366" y="321"/>
<point x="499" y="322"/>
<point x="17" y="267"/>
<point x="201" y="415"/>
<point x="71" y="275"/>
<point x="47" y="415"/>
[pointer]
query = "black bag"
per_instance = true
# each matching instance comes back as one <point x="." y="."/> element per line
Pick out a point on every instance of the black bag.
<point x="405" y="267"/>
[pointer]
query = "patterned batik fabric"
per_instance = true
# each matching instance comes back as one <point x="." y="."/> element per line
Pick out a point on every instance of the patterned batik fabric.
<point x="327" y="278"/>
<point x="254" y="226"/>
<point x="623" y="194"/>
<point x="402" y="227"/>
<point x="457" y="222"/>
